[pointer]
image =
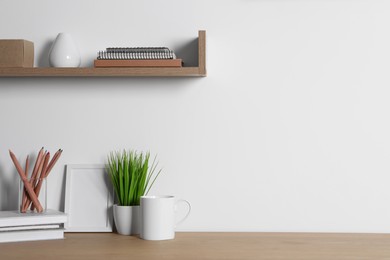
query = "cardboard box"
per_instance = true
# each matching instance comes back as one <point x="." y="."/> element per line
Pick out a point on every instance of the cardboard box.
<point x="16" y="53"/>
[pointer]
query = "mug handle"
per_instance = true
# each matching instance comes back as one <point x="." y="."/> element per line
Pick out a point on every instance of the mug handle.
<point x="188" y="213"/>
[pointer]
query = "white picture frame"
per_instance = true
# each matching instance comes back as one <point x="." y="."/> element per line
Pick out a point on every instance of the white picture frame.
<point x="88" y="198"/>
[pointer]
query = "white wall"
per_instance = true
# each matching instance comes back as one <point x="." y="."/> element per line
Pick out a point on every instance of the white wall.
<point x="289" y="131"/>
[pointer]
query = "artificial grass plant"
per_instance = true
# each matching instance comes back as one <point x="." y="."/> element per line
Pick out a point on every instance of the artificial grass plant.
<point x="131" y="175"/>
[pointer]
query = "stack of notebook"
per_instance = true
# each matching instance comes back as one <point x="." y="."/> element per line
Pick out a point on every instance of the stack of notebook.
<point x="15" y="226"/>
<point x="137" y="57"/>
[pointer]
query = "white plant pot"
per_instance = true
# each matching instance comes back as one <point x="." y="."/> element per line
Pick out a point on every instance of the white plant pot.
<point x="64" y="52"/>
<point x="127" y="219"/>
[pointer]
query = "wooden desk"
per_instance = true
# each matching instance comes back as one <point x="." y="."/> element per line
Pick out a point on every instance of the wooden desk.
<point x="299" y="246"/>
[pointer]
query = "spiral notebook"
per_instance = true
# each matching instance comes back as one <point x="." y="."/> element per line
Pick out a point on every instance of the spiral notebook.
<point x="136" y="53"/>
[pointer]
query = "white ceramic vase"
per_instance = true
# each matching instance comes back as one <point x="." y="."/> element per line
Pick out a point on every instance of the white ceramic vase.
<point x="64" y="52"/>
<point x="127" y="219"/>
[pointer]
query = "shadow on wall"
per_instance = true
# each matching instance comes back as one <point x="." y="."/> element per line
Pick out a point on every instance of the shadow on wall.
<point x="63" y="189"/>
<point x="9" y="191"/>
<point x="189" y="53"/>
<point x="43" y="59"/>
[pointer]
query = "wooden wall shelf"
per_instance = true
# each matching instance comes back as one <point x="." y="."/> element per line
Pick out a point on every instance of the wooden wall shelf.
<point x="199" y="71"/>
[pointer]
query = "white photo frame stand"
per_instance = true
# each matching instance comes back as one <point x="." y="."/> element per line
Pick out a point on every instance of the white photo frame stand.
<point x="88" y="198"/>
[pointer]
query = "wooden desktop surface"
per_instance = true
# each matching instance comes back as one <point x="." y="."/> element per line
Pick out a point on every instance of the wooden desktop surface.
<point x="299" y="246"/>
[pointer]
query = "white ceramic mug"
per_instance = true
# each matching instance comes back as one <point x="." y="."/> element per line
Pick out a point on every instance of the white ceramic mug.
<point x="158" y="217"/>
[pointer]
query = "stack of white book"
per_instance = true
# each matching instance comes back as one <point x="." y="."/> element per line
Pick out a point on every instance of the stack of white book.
<point x="15" y="226"/>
